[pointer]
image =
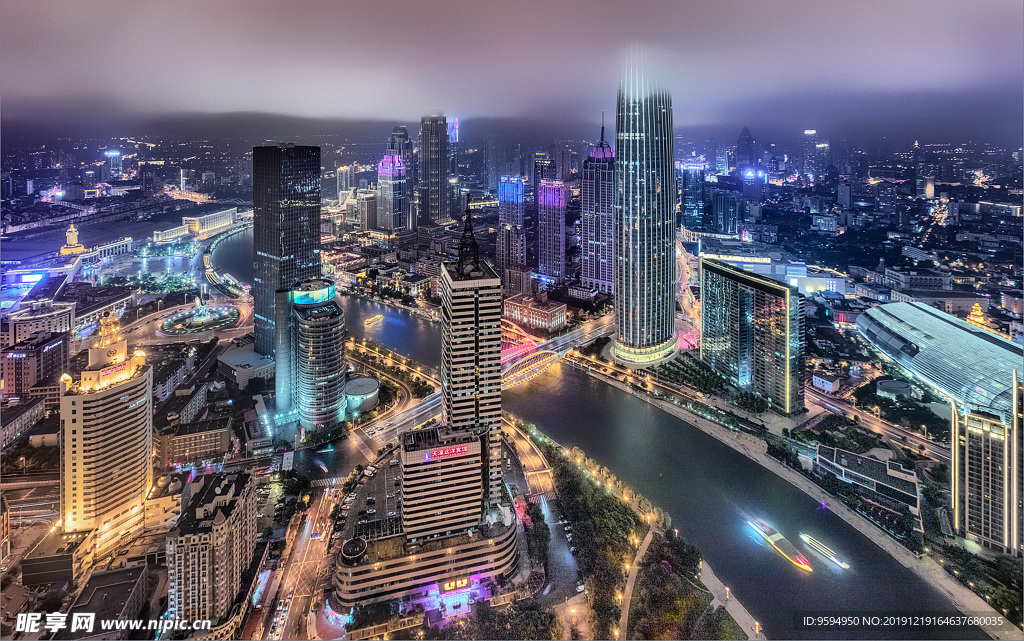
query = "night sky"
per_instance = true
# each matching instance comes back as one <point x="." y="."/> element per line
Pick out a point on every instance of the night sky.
<point x="942" y="69"/>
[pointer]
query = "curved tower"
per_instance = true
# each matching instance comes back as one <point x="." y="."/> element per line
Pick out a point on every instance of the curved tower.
<point x="644" y="223"/>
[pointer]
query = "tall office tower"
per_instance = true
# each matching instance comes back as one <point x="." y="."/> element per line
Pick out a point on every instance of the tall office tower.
<point x="454" y="179"/>
<point x="434" y="190"/>
<point x="551" y="229"/>
<point x="106" y="442"/>
<point x="511" y="218"/>
<point x="597" y="189"/>
<point x="346" y="176"/>
<point x="745" y="150"/>
<point x="692" y="196"/>
<point x="114" y="169"/>
<point x="471" y="351"/>
<point x="493" y="163"/>
<point x="366" y="201"/>
<point x="755" y="185"/>
<point x="644" y="225"/>
<point x="924" y="183"/>
<point x="726" y="213"/>
<point x="541" y="168"/>
<point x="978" y="372"/>
<point x="810" y="169"/>
<point x="401" y="143"/>
<point x="211" y="546"/>
<point x="286" y="228"/>
<point x="310" y="353"/>
<point x="392" y="205"/>
<point x="27" y="362"/>
<point x="845" y="195"/>
<point x="752" y="330"/>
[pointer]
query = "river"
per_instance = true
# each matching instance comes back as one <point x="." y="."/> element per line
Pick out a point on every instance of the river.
<point x="709" y="489"/>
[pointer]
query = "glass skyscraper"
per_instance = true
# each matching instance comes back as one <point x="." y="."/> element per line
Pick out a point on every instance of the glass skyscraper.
<point x="286" y="227"/>
<point x="644" y="223"/>
<point x="752" y="329"/>
<point x="399" y="144"/>
<point x="392" y="208"/>
<point x="692" y="195"/>
<point x="434" y="190"/>
<point x="597" y="189"/>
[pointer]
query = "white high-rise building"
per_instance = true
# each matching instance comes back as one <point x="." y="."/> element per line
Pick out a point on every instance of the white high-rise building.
<point x="106" y="430"/>
<point x="597" y="242"/>
<point x="471" y="350"/>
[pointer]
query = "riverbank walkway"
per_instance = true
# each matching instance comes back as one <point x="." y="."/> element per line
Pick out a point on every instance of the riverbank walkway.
<point x="627" y="593"/>
<point x="754" y="448"/>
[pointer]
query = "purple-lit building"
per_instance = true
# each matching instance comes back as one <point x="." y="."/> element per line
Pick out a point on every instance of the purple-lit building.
<point x="598" y="192"/>
<point x="551" y="229"/>
<point x="392" y="198"/>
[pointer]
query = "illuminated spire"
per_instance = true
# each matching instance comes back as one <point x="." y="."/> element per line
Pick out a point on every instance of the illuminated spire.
<point x="110" y="331"/>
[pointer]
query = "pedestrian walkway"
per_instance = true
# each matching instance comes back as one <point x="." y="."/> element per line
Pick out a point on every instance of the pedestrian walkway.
<point x="732" y="606"/>
<point x="327" y="482"/>
<point x="627" y="594"/>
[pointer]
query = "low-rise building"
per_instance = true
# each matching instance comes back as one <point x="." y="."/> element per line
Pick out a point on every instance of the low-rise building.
<point x="825" y="382"/>
<point x="536" y="312"/>
<point x="949" y="301"/>
<point x="117" y="595"/>
<point x="42" y="356"/>
<point x="241" y="364"/>
<point x="888" y="481"/>
<point x="18" y="419"/>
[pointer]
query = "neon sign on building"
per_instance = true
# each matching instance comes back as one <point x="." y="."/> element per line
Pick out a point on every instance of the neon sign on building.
<point x="447" y="452"/>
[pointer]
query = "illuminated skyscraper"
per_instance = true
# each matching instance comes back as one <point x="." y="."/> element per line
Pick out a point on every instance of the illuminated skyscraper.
<point x="392" y="205"/>
<point x="310" y="363"/>
<point x="597" y="189"/>
<point x="752" y="329"/>
<point x="286" y="228"/>
<point x="106" y="444"/>
<point x="471" y="351"/>
<point x="511" y="218"/>
<point x="346" y="176"/>
<point x="400" y="144"/>
<point x="644" y="224"/>
<point x="114" y="164"/>
<point x="551" y="229"/>
<point x="434" y="189"/>
<point x="692" y="196"/>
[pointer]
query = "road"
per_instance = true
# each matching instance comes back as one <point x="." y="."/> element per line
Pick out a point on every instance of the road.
<point x="870" y="421"/>
<point x="304" y="568"/>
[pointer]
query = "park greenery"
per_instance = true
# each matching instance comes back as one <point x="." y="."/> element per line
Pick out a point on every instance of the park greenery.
<point x="689" y="371"/>
<point x="524" y="619"/>
<point x="908" y="413"/>
<point x="538" y="535"/>
<point x="27" y="459"/>
<point x="668" y="600"/>
<point x="606" y="532"/>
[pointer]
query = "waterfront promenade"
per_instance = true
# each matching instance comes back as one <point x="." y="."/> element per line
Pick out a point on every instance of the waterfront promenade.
<point x="965" y="600"/>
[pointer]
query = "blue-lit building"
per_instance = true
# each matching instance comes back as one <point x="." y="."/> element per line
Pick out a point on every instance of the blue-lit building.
<point x="979" y="373"/>
<point x="597" y="189"/>
<point x="310" y="354"/>
<point x="286" y="228"/>
<point x="644" y="223"/>
<point x="511" y="224"/>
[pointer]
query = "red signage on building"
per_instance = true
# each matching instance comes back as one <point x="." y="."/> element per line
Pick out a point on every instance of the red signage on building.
<point x="447" y="452"/>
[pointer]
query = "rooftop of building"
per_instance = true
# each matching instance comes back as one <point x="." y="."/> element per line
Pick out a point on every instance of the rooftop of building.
<point x="47" y="288"/>
<point x="732" y="249"/>
<point x="972" y="366"/>
<point x="105" y="595"/>
<point x="535" y="302"/>
<point x="36" y="341"/>
<point x="13" y="412"/>
<point x="198" y="427"/>
<point x="57" y="543"/>
<point x="874" y="469"/>
<point x="940" y="293"/>
<point x="197" y="516"/>
<point x="416" y="440"/>
<point x="245" y="357"/>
